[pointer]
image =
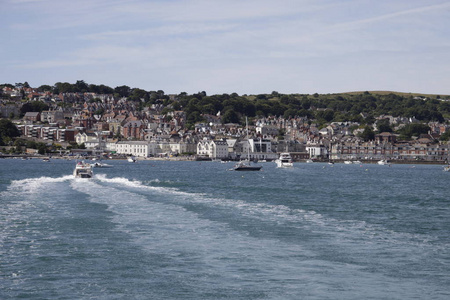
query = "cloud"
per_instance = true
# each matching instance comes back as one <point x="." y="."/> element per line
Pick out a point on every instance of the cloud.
<point x="351" y="25"/>
<point x="253" y="44"/>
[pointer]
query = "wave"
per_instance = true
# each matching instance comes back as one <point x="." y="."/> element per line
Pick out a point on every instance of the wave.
<point x="280" y="215"/>
<point x="33" y="185"/>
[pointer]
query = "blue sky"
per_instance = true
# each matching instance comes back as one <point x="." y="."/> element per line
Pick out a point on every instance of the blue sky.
<point x="247" y="47"/>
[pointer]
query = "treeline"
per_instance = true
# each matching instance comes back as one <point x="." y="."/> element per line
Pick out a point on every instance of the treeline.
<point x="362" y="108"/>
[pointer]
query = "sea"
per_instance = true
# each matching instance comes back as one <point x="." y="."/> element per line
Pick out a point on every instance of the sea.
<point x="196" y="230"/>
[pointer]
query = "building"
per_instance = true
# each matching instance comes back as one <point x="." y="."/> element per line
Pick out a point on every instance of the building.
<point x="32" y="116"/>
<point x="52" y="116"/>
<point x="317" y="151"/>
<point x="133" y="130"/>
<point x="136" y="148"/>
<point x="212" y="149"/>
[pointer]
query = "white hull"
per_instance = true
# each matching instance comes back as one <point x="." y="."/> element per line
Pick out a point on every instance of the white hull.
<point x="383" y="162"/>
<point x="83" y="170"/>
<point x="284" y="161"/>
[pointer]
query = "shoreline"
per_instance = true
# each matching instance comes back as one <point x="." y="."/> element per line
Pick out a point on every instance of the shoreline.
<point x="194" y="159"/>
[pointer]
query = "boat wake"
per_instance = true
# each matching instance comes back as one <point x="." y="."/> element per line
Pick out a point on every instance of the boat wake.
<point x="33" y="185"/>
<point x="278" y="215"/>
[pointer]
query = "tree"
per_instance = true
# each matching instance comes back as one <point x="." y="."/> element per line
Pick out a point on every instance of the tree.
<point x="35" y="106"/>
<point x="230" y="116"/>
<point x="8" y="131"/>
<point x="123" y="91"/>
<point x="81" y="86"/>
<point x="384" y="126"/>
<point x="368" y="134"/>
<point x="45" y="88"/>
<point x="414" y="129"/>
<point x="445" y="136"/>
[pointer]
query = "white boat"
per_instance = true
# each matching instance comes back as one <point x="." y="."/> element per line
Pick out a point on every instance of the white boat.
<point x="101" y="165"/>
<point x="383" y="162"/>
<point x="347" y="162"/>
<point x="83" y="170"/>
<point x="447" y="168"/>
<point x="309" y="161"/>
<point x="245" y="165"/>
<point x="284" y="161"/>
<point x="131" y="159"/>
<point x="357" y="162"/>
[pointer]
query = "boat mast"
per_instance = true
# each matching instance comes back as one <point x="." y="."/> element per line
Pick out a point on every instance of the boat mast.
<point x="248" y="141"/>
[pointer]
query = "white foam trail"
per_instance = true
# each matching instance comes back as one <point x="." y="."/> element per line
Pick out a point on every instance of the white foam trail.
<point x="342" y="229"/>
<point x="33" y="185"/>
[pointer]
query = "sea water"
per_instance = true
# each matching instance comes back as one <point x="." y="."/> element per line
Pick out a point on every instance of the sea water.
<point x="195" y="230"/>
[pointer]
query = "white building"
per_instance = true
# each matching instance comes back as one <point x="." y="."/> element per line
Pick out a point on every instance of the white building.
<point x="136" y="148"/>
<point x="83" y="137"/>
<point x="212" y="149"/>
<point x="316" y="151"/>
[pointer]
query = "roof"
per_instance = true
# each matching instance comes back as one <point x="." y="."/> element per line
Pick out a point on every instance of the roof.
<point x="32" y="114"/>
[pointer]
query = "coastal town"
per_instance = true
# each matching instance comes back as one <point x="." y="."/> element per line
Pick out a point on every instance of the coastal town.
<point x="111" y="126"/>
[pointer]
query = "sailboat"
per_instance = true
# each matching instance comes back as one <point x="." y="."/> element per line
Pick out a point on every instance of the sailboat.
<point x="245" y="165"/>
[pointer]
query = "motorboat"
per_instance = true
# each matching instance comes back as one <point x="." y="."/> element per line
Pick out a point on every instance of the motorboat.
<point x="383" y="162"/>
<point x="131" y="159"/>
<point x="347" y="162"/>
<point x="284" y="161"/>
<point x="100" y="165"/>
<point x="83" y="170"/>
<point x="309" y="161"/>
<point x="447" y="168"/>
<point x="357" y="162"/>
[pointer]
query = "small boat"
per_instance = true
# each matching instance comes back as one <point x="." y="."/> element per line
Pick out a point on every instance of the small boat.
<point x="309" y="161"/>
<point x="447" y="168"/>
<point x="357" y="162"/>
<point x="347" y="162"/>
<point x="383" y="162"/>
<point x="131" y="159"/>
<point x="83" y="170"/>
<point x="284" y="161"/>
<point x="46" y="159"/>
<point x="244" y="165"/>
<point x="101" y="165"/>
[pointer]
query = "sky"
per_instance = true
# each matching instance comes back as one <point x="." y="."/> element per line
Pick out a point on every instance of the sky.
<point x="229" y="46"/>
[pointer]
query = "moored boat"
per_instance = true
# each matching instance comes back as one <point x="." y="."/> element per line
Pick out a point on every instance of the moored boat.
<point x="383" y="162"/>
<point x="83" y="170"/>
<point x="284" y="161"/>
<point x="245" y="165"/>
